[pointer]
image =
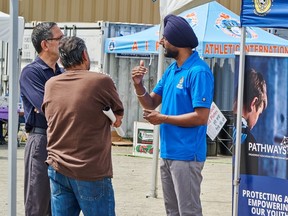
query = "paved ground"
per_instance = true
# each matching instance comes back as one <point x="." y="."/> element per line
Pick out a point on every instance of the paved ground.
<point x="132" y="184"/>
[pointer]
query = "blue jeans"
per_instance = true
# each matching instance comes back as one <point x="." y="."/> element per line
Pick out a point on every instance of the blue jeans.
<point x="70" y="196"/>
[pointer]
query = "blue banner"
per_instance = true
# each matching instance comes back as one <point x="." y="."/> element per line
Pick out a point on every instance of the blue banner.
<point x="264" y="13"/>
<point x="263" y="167"/>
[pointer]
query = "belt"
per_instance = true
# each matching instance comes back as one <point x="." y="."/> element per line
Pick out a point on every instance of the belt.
<point x="38" y="130"/>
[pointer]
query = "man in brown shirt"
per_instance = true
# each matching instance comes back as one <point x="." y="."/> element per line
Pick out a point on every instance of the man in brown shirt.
<point x="79" y="134"/>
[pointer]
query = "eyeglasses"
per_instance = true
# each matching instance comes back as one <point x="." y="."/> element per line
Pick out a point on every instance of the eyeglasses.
<point x="56" y="39"/>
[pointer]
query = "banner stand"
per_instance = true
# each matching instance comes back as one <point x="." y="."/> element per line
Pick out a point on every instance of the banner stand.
<point x="236" y="179"/>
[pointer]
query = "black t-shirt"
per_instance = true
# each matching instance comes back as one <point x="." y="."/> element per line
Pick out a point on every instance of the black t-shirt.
<point x="248" y="162"/>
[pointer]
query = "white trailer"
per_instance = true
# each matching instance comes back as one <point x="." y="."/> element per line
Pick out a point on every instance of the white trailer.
<point x="94" y="35"/>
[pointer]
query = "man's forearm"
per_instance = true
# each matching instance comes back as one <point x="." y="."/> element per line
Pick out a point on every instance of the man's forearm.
<point x="144" y="97"/>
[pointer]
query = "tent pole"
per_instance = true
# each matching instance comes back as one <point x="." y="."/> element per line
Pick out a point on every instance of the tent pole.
<point x="236" y="180"/>
<point x="12" y="109"/>
<point x="153" y="188"/>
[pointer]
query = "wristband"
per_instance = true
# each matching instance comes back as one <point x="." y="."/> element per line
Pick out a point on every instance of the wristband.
<point x="142" y="95"/>
<point x="165" y="118"/>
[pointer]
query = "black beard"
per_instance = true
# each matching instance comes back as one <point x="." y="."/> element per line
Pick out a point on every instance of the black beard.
<point x="171" y="54"/>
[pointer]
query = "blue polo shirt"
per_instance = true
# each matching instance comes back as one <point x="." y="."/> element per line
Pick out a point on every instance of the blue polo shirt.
<point x="183" y="89"/>
<point x="32" y="83"/>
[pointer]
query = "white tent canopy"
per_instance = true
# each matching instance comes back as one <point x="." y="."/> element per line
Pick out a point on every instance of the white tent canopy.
<point x="4" y="28"/>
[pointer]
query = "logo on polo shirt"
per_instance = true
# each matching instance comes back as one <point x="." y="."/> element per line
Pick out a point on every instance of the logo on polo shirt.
<point x="180" y="83"/>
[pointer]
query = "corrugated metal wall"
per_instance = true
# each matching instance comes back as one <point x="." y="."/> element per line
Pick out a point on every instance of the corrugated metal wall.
<point x="233" y="5"/>
<point x="132" y="11"/>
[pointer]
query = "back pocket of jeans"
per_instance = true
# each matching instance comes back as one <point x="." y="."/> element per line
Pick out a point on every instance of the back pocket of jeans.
<point x="91" y="190"/>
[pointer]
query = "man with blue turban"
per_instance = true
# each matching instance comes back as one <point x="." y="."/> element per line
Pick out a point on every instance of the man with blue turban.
<point x="186" y="92"/>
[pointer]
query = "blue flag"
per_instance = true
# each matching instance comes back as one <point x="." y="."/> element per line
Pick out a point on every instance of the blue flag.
<point x="264" y="13"/>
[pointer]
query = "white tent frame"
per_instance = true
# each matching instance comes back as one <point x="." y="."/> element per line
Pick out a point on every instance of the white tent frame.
<point x="13" y="71"/>
<point x="236" y="180"/>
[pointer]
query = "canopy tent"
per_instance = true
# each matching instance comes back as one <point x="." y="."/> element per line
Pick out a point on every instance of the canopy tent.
<point x="218" y="32"/>
<point x="4" y="28"/>
<point x="5" y="36"/>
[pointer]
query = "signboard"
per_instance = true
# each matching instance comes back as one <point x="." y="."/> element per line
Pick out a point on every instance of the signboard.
<point x="28" y="50"/>
<point x="143" y="139"/>
<point x="216" y="121"/>
<point x="264" y="131"/>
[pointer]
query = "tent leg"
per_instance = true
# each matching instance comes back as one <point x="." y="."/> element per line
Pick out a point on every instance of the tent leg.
<point x="153" y="189"/>
<point x="236" y="180"/>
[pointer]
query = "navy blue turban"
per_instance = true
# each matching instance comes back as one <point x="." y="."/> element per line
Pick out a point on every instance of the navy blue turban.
<point x="178" y="32"/>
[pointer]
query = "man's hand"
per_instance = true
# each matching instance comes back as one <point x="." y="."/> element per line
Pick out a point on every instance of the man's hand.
<point x="118" y="121"/>
<point x="154" y="117"/>
<point x="138" y="72"/>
